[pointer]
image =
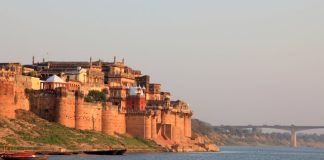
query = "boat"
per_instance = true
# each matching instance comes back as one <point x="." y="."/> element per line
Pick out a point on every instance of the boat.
<point x="23" y="156"/>
<point x="24" y="153"/>
<point x="121" y="152"/>
<point x="106" y="152"/>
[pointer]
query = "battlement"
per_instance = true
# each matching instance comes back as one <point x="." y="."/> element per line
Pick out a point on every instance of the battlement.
<point x="142" y="113"/>
<point x="7" y="75"/>
<point x="11" y="67"/>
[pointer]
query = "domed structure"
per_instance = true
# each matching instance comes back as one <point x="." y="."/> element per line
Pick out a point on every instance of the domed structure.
<point x="53" y="82"/>
<point x="55" y="78"/>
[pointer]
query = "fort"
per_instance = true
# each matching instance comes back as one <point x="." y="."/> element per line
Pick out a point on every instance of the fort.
<point x="130" y="104"/>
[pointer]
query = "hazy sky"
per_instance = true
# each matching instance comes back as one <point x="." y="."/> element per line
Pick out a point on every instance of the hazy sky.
<point x="233" y="61"/>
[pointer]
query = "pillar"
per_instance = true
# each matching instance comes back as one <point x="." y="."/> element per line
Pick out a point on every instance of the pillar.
<point x="293" y="139"/>
<point x="256" y="131"/>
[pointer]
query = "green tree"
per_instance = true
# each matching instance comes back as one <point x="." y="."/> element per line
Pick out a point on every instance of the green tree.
<point x="95" y="96"/>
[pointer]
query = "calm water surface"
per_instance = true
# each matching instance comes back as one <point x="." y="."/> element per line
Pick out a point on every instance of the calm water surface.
<point x="228" y="153"/>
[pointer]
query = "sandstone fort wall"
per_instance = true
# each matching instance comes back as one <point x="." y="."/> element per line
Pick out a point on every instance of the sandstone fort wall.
<point x="121" y="123"/>
<point x="65" y="108"/>
<point x="43" y="104"/>
<point x="109" y="120"/>
<point x="135" y="124"/>
<point x="12" y="97"/>
<point x="68" y="109"/>
<point x="89" y="117"/>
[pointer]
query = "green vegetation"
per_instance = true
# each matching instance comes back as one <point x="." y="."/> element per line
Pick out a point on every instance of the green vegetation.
<point x="10" y="140"/>
<point x="96" y="96"/>
<point x="31" y="132"/>
<point x="133" y="142"/>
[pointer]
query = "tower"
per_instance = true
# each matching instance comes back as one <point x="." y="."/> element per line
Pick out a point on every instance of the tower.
<point x="90" y="62"/>
<point x="136" y="99"/>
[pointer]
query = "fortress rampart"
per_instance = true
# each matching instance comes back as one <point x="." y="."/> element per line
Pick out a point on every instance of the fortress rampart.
<point x="112" y="121"/>
<point x="69" y="109"/>
<point x="12" y="95"/>
<point x="164" y="121"/>
<point x="88" y="117"/>
<point x="65" y="108"/>
<point x="43" y="103"/>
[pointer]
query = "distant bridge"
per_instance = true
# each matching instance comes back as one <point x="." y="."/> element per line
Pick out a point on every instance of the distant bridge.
<point x="292" y="128"/>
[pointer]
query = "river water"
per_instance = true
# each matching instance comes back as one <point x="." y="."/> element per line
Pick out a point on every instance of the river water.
<point x="228" y="153"/>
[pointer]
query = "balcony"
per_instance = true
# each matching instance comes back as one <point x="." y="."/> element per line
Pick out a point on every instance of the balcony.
<point x="121" y="75"/>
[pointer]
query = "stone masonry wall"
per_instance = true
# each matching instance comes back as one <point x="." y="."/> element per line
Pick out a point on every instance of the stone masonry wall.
<point x="135" y="124"/>
<point x="109" y="120"/>
<point x="89" y="117"/>
<point x="121" y="123"/>
<point x="43" y="104"/>
<point x="68" y="108"/>
<point x="12" y="97"/>
<point x="65" y="108"/>
<point x="187" y="126"/>
<point x="113" y="121"/>
<point x="175" y="125"/>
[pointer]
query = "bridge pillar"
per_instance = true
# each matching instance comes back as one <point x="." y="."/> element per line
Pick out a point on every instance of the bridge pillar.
<point x="256" y="131"/>
<point x="293" y="138"/>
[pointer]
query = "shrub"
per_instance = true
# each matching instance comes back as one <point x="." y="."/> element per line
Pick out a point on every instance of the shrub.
<point x="95" y="96"/>
<point x="105" y="91"/>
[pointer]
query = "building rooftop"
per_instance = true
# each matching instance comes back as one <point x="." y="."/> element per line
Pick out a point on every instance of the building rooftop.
<point x="55" y="78"/>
